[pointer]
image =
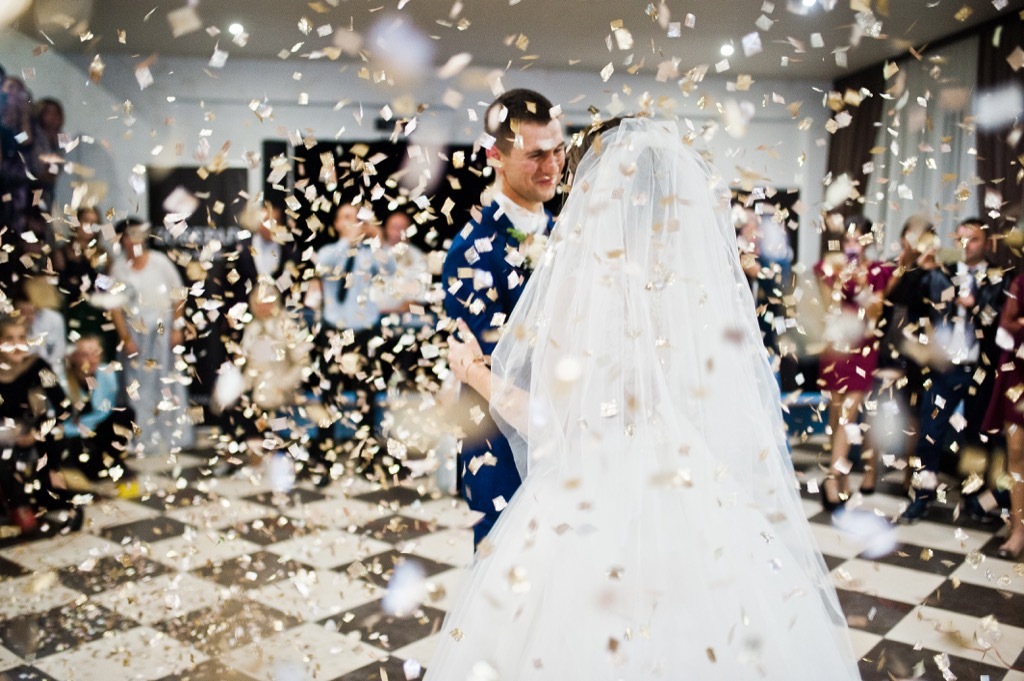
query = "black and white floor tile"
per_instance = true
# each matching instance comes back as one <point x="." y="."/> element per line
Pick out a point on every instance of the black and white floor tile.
<point x="208" y="579"/>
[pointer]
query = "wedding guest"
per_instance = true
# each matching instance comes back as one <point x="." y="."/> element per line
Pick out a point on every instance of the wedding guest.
<point x="17" y="115"/>
<point x="349" y="270"/>
<point x="46" y="327"/>
<point x="269" y="251"/>
<point x="964" y="304"/>
<point x="899" y="380"/>
<point x="405" y="318"/>
<point x="852" y="287"/>
<point x="273" y="358"/>
<point x="766" y="276"/>
<point x="83" y="280"/>
<point x="265" y="249"/>
<point x="1006" y="413"/>
<point x="14" y="173"/>
<point x="32" y="412"/>
<point x="31" y="254"/>
<point x="150" y="327"/>
<point x="97" y="433"/>
<point x="411" y="280"/>
<point x="47" y="126"/>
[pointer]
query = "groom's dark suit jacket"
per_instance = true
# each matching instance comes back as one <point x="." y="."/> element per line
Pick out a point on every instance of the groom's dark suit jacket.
<point x="482" y="288"/>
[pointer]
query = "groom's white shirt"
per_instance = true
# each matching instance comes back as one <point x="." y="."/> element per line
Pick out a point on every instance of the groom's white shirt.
<point x="523" y="220"/>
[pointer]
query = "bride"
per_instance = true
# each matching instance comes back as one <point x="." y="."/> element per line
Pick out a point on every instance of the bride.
<point x="658" y="533"/>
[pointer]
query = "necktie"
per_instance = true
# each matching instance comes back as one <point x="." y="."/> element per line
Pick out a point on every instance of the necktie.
<point x="343" y="282"/>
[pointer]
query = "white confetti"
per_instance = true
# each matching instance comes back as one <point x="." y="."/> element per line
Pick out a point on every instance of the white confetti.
<point x="144" y="77"/>
<point x="752" y="44"/>
<point x="280" y="472"/>
<point x="999" y="108"/>
<point x="219" y="58"/>
<point x="412" y="669"/>
<point x="183" y="20"/>
<point x="454" y="66"/>
<point x="874" y="533"/>
<point x="624" y="39"/>
<point x="407" y="589"/>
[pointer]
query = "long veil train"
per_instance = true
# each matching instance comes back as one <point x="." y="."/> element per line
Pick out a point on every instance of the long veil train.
<point x="659" y="532"/>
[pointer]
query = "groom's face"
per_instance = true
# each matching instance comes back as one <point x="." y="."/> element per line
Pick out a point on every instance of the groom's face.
<point x="531" y="173"/>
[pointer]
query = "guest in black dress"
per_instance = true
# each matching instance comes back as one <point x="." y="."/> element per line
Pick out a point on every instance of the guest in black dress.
<point x="31" y="416"/>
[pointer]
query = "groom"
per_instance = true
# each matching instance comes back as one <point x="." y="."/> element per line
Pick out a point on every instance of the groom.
<point x="484" y="273"/>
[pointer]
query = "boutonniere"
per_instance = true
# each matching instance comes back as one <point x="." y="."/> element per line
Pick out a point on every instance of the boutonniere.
<point x="516" y="234"/>
<point x="530" y="251"/>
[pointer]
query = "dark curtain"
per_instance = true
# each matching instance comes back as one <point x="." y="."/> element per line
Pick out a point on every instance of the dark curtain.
<point x="999" y="162"/>
<point x="851" y="146"/>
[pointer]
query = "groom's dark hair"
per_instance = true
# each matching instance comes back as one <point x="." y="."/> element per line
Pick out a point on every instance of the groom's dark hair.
<point x="504" y="115"/>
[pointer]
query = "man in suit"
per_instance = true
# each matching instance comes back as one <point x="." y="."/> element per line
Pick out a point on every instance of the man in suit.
<point x="484" y="274"/>
<point x="964" y="302"/>
<point x="268" y="251"/>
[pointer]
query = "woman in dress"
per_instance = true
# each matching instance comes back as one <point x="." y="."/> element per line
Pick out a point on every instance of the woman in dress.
<point x="150" y="327"/>
<point x="852" y="288"/>
<point x="1006" y="413"/>
<point x="658" y="533"/>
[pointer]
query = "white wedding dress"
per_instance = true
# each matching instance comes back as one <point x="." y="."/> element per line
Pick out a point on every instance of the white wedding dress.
<point x="658" y="533"/>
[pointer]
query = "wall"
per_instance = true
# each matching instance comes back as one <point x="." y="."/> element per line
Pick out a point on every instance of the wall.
<point x="190" y="105"/>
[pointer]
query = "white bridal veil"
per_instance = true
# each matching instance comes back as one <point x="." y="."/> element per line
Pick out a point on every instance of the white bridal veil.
<point x="659" y="530"/>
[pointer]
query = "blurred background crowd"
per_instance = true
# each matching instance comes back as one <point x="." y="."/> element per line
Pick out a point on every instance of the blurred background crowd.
<point x="324" y="345"/>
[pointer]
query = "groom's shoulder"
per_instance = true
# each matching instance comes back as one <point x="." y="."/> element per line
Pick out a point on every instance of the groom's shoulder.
<point x="482" y="222"/>
<point x="481" y="225"/>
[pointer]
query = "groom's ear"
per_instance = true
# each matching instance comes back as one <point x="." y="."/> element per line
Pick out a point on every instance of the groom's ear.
<point x="494" y="157"/>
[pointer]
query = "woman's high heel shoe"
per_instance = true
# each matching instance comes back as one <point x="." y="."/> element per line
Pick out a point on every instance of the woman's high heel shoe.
<point x="830" y="504"/>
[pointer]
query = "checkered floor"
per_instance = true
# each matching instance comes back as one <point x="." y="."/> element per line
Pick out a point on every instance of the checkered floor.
<point x="222" y="579"/>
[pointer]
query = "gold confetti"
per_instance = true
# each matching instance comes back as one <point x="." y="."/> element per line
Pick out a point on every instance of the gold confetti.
<point x="183" y="20"/>
<point x="96" y="68"/>
<point x="1016" y="59"/>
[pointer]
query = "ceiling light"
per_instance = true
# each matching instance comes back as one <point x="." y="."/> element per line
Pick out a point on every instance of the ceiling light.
<point x="236" y="29"/>
<point x="809" y="3"/>
<point x="727" y="50"/>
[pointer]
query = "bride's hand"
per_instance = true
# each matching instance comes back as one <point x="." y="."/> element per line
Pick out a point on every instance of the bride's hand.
<point x="463" y="354"/>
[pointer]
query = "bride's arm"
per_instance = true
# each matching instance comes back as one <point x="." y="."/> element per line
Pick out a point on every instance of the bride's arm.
<point x="469" y="365"/>
<point x="470" y="370"/>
